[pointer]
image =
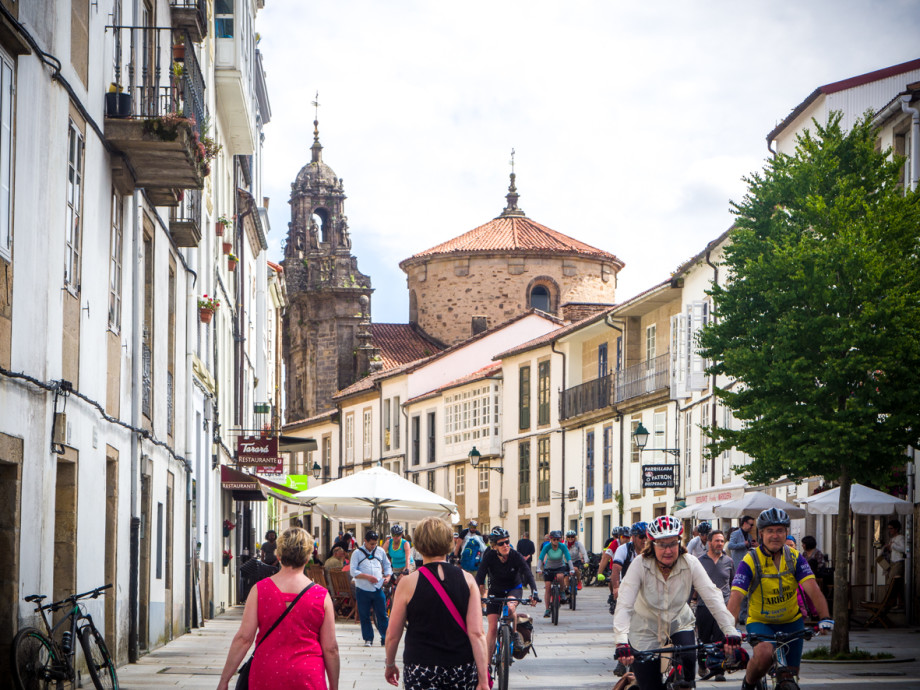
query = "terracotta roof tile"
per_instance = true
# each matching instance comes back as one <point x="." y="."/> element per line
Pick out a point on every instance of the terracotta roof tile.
<point x="401" y="343"/>
<point x="514" y="234"/>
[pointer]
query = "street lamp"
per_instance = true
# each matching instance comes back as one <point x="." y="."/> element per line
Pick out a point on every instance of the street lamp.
<point x="317" y="470"/>
<point x="640" y="436"/>
<point x="475" y="455"/>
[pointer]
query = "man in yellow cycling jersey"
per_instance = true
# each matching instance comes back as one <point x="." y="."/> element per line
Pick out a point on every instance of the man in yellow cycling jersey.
<point x="770" y="576"/>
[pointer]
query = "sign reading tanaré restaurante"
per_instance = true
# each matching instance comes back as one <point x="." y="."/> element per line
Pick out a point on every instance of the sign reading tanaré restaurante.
<point x="251" y="450"/>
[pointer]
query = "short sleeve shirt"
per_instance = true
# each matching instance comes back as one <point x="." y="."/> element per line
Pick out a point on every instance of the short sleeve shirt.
<point x="775" y="598"/>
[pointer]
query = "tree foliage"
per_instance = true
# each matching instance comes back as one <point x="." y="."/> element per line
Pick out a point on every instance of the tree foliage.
<point x="819" y="322"/>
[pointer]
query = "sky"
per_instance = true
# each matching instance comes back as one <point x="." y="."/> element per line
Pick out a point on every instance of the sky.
<point x="633" y="123"/>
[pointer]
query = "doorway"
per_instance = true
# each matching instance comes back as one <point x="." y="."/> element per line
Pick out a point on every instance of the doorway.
<point x="143" y="622"/>
<point x="111" y="547"/>
<point x="65" y="527"/>
<point x="10" y="521"/>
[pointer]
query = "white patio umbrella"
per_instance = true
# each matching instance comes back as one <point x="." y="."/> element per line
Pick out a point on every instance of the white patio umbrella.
<point x="376" y="496"/>
<point x="863" y="501"/>
<point x="754" y="503"/>
<point x="698" y="511"/>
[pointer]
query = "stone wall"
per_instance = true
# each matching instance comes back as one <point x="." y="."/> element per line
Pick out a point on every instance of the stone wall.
<point x="449" y="292"/>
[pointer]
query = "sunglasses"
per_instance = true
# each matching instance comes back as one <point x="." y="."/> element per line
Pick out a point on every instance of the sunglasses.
<point x="503" y="543"/>
<point x="670" y="546"/>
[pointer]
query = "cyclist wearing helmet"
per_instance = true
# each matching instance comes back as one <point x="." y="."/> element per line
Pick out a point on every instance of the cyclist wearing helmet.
<point x="652" y="609"/>
<point x="699" y="545"/>
<point x="577" y="552"/>
<point x="769" y="576"/>
<point x="555" y="561"/>
<point x="398" y="551"/>
<point x="508" y="573"/>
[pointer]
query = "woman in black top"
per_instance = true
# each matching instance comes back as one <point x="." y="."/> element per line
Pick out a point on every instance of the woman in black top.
<point x="508" y="573"/>
<point x="439" y="652"/>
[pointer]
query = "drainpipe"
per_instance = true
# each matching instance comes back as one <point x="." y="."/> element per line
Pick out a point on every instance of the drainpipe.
<point x="914" y="141"/>
<point x="715" y="281"/>
<point x="137" y="309"/>
<point x="552" y="347"/>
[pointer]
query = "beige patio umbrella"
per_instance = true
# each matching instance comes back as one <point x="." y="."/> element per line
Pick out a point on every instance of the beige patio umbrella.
<point x="754" y="503"/>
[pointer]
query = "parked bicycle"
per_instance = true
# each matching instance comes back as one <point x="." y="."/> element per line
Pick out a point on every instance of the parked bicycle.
<point x="505" y="653"/>
<point x="45" y="659"/>
<point x="780" y="676"/>
<point x="673" y="675"/>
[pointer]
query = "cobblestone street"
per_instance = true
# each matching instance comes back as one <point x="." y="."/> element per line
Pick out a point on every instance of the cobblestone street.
<point x="576" y="654"/>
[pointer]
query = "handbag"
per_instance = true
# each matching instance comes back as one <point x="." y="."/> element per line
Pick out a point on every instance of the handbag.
<point x="242" y="683"/>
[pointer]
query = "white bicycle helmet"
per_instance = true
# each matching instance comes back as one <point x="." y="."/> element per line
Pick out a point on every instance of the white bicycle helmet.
<point x="665" y="526"/>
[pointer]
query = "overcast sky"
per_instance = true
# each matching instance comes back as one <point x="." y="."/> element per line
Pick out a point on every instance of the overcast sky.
<point x="633" y="122"/>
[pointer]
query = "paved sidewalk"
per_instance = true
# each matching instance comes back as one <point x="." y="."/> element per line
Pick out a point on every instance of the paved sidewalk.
<point x="576" y="654"/>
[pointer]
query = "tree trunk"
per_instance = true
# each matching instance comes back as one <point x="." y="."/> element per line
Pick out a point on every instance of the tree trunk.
<point x="840" y="639"/>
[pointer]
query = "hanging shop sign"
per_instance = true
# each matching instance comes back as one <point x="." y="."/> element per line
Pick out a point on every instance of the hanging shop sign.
<point x="252" y="450"/>
<point x="659" y="476"/>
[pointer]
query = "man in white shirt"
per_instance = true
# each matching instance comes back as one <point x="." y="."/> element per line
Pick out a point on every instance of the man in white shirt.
<point x="892" y="557"/>
<point x="369" y="568"/>
<point x="698" y="545"/>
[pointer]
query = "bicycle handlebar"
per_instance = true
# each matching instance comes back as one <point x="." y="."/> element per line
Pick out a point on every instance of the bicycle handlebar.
<point x="495" y="600"/>
<point x="650" y="653"/>
<point x="781" y="637"/>
<point x="73" y="598"/>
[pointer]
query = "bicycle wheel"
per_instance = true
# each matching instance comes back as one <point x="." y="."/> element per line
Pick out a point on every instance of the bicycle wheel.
<point x="98" y="660"/>
<point x="33" y="660"/>
<point x="787" y="684"/>
<point x="504" y="658"/>
<point x="573" y="591"/>
<point x="554" y="593"/>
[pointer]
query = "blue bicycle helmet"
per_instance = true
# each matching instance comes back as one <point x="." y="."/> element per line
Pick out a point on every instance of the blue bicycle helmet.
<point x="704" y="528"/>
<point x="771" y="517"/>
<point x="639" y="530"/>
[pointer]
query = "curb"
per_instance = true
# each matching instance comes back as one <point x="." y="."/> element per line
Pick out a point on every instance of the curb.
<point x="896" y="660"/>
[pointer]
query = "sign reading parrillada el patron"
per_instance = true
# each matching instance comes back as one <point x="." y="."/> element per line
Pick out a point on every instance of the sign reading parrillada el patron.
<point x="252" y="450"/>
<point x="659" y="476"/>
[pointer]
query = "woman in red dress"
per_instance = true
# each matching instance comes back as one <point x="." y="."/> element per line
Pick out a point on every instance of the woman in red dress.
<point x="301" y="653"/>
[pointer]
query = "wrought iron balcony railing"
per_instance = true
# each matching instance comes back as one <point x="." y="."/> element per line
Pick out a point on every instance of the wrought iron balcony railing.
<point x="190" y="16"/>
<point x="643" y="378"/>
<point x="586" y="397"/>
<point x="185" y="219"/>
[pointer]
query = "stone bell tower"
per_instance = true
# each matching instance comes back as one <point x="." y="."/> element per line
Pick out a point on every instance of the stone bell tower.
<point x="324" y="339"/>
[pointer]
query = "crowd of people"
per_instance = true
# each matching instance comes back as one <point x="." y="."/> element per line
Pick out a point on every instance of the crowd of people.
<point x="665" y="590"/>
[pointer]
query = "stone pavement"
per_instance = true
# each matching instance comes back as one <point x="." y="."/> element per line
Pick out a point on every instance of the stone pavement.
<point x="576" y="654"/>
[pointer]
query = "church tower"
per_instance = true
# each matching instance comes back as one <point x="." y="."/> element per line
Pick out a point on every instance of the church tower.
<point x="326" y="336"/>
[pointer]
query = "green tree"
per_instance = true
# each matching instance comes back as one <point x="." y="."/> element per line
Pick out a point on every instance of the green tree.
<point x="819" y="322"/>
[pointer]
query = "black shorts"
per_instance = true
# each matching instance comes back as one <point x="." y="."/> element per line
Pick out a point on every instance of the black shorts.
<point x="549" y="574"/>
<point x="496" y="606"/>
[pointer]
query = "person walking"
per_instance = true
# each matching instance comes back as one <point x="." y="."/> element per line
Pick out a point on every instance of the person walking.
<point x="471" y="548"/>
<point x="739" y="543"/>
<point x="652" y="609"/>
<point x="721" y="571"/>
<point x="439" y="606"/>
<point x="302" y="653"/>
<point x="269" y="546"/>
<point x="526" y="548"/>
<point x="369" y="568"/>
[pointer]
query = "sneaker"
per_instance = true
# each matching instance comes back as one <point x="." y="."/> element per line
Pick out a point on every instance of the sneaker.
<point x="719" y="678"/>
<point x="579" y="585"/>
<point x="612" y="607"/>
<point x="547" y="614"/>
<point x="610" y="599"/>
<point x="368" y="643"/>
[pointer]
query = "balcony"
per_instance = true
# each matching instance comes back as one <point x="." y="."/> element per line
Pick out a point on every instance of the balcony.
<point x="191" y="17"/>
<point x="643" y="378"/>
<point x="234" y="54"/>
<point x="586" y="397"/>
<point x="185" y="220"/>
<point x="154" y="122"/>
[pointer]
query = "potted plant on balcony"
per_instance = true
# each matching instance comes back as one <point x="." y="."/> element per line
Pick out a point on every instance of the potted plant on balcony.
<point x="179" y="48"/>
<point x="222" y="224"/>
<point x="232" y="261"/>
<point x="206" y="308"/>
<point x="228" y="246"/>
<point x="117" y="102"/>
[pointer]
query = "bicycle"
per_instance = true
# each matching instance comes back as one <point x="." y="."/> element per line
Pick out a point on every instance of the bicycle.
<point x="589" y="569"/>
<point x="673" y="675"/>
<point x="780" y="676"/>
<point x="555" y="600"/>
<point x="40" y="661"/>
<point x="503" y="656"/>
<point x="573" y="586"/>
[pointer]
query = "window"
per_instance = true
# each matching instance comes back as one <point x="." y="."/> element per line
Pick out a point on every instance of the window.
<point x="223" y="18"/>
<point x="543" y="393"/>
<point x="430" y="480"/>
<point x="619" y="361"/>
<point x="415" y="477"/>
<point x="688" y="433"/>
<point x="659" y="426"/>
<point x="635" y="473"/>
<point x="115" y="245"/>
<point x="726" y="454"/>
<point x="606" y="526"/>
<point x="543" y="468"/>
<point x="386" y="424"/>
<point x="397" y="413"/>
<point x="524" y="397"/>
<point x="608" y="463"/>
<point x="524" y="473"/>
<point x="350" y="438"/>
<point x="416" y="439"/>
<point x="471" y="415"/>
<point x="589" y="466"/>
<point x="540" y="298"/>
<point x="650" y="343"/>
<point x="367" y="432"/>
<point x="73" y="230"/>
<point x="589" y="533"/>
<point x="6" y="155"/>
<point x="432" y="441"/>
<point x="483" y="478"/>
<point x="327" y="455"/>
<point x="460" y="480"/>
<point x="601" y="360"/>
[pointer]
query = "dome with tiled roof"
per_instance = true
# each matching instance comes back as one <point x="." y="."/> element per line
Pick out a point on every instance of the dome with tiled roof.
<point x="316" y="172"/>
